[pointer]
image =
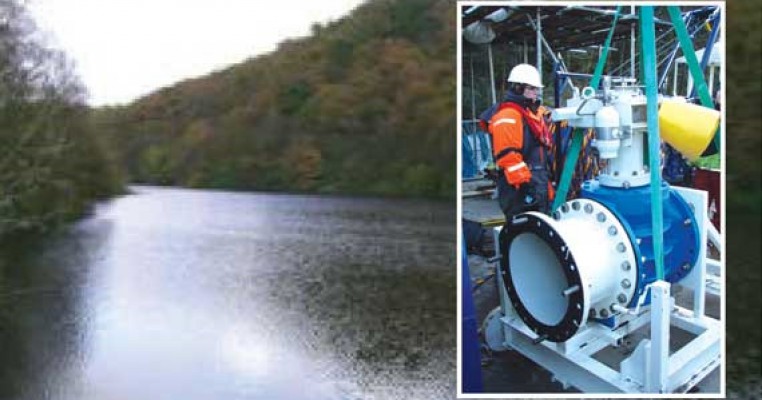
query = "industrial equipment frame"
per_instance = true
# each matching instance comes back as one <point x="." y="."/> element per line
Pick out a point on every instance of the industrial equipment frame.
<point x="650" y="368"/>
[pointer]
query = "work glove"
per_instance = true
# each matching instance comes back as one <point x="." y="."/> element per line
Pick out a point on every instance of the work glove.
<point x="528" y="197"/>
<point x="492" y="173"/>
<point x="528" y="193"/>
<point x="518" y="174"/>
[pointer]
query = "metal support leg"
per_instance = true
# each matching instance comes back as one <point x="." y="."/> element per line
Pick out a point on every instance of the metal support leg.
<point x="656" y="379"/>
<point x="697" y="278"/>
<point x="538" y="46"/>
<point x="714" y="237"/>
<point x="632" y="45"/>
<point x="491" y="73"/>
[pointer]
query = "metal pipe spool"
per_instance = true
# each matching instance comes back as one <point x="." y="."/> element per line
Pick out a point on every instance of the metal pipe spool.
<point x="561" y="271"/>
<point x="632" y="208"/>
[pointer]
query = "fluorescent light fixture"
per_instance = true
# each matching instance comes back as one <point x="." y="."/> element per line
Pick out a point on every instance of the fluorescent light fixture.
<point x="499" y="16"/>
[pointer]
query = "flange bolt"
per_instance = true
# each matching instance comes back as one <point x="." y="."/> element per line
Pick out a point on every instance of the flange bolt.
<point x="568" y="292"/>
<point x="540" y="339"/>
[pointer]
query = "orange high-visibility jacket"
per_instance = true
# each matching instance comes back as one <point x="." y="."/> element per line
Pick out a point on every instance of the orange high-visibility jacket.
<point x="507" y="130"/>
<point x="515" y="149"/>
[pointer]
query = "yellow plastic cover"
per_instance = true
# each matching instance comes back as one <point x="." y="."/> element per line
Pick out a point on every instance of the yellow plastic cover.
<point x="687" y="127"/>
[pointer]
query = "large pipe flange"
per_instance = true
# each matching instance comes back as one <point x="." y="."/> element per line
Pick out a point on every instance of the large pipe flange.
<point x="561" y="271"/>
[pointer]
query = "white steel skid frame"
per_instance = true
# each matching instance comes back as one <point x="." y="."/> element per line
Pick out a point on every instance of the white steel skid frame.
<point x="650" y="368"/>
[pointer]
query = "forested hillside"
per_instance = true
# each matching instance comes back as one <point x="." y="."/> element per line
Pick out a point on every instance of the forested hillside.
<point x="744" y="97"/>
<point x="363" y="105"/>
<point x="52" y="164"/>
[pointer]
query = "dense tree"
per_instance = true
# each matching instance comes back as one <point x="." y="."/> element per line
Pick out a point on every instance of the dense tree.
<point x="51" y="162"/>
<point x="364" y="105"/>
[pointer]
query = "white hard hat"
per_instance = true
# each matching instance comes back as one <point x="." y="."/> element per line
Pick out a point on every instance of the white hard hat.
<point x="525" y="73"/>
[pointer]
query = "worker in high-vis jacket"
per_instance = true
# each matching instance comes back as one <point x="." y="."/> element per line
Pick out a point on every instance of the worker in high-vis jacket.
<point x="521" y="142"/>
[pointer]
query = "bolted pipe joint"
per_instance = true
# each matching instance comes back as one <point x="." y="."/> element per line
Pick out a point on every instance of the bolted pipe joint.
<point x="561" y="270"/>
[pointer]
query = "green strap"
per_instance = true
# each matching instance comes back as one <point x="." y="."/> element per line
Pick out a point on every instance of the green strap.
<point x="602" y="61"/>
<point x="652" y="112"/>
<point x="693" y="65"/>
<point x="571" y="161"/>
<point x="577" y="135"/>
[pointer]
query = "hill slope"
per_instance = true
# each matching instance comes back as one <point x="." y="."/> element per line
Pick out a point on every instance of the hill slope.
<point x="364" y="105"/>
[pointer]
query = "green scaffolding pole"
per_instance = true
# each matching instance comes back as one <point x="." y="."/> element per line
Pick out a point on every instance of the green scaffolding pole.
<point x="648" y="66"/>
<point x="578" y="134"/>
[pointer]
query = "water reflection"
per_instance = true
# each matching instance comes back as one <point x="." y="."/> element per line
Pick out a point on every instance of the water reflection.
<point x="180" y="294"/>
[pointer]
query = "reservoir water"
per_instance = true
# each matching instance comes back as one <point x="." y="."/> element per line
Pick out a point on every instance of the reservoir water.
<point x="194" y="294"/>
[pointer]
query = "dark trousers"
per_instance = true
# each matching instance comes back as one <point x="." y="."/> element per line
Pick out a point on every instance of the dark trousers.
<point x="514" y="201"/>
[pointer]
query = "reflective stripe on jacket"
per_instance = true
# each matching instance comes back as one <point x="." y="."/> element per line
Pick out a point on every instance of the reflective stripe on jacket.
<point x="513" y="142"/>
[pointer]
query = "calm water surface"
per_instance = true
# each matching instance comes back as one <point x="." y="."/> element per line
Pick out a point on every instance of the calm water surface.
<point x="190" y="294"/>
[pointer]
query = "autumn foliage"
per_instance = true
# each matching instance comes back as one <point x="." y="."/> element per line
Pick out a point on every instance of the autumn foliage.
<point x="364" y="105"/>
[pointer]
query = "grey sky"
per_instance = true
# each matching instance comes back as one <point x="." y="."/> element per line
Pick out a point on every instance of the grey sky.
<point x="124" y="49"/>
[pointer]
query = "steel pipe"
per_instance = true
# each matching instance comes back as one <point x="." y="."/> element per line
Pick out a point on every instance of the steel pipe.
<point x="561" y="271"/>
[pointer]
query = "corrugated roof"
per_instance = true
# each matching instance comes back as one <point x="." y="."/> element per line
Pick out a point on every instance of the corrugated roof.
<point x="564" y="27"/>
